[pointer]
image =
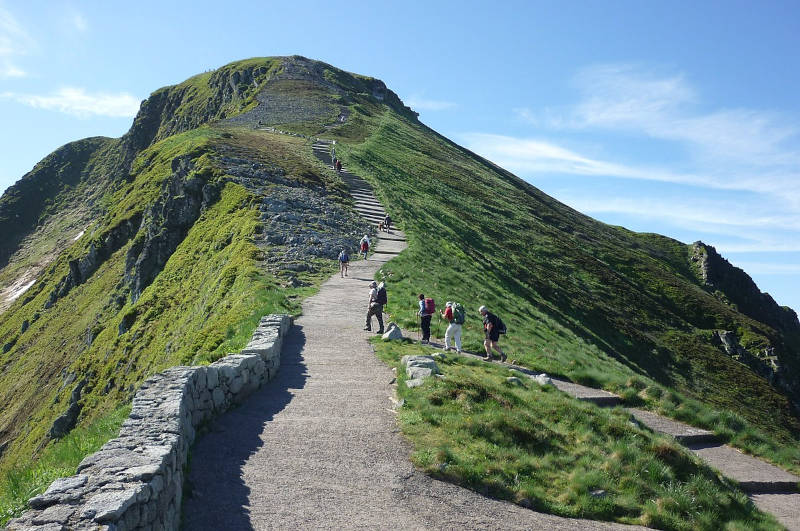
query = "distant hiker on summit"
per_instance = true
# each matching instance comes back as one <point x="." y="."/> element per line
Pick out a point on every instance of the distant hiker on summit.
<point x="427" y="307"/>
<point x="377" y="298"/>
<point x="344" y="259"/>
<point x="454" y="314"/>
<point x="364" y="245"/>
<point x="493" y="327"/>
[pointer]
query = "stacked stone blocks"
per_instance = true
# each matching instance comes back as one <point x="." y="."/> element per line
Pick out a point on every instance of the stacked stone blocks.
<point x="135" y="481"/>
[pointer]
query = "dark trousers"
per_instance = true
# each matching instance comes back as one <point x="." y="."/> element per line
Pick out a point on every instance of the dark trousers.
<point x="426" y="327"/>
<point x="376" y="310"/>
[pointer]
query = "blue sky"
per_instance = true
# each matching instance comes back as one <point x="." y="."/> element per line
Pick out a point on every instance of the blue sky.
<point x="679" y="118"/>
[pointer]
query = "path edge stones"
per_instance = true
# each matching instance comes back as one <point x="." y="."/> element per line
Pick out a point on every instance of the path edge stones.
<point x="136" y="479"/>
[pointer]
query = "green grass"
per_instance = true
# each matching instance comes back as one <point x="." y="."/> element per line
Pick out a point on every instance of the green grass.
<point x="30" y="478"/>
<point x="537" y="447"/>
<point x="204" y="303"/>
<point x="591" y="302"/>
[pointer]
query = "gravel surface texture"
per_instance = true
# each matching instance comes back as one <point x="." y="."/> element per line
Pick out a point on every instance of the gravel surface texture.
<point x="319" y="447"/>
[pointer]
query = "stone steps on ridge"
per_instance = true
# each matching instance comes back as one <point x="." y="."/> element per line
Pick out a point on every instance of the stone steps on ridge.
<point x="683" y="433"/>
<point x="753" y="475"/>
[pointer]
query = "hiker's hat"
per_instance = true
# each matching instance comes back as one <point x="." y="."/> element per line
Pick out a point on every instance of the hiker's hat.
<point x="373" y="284"/>
<point x="449" y="303"/>
<point x="482" y="309"/>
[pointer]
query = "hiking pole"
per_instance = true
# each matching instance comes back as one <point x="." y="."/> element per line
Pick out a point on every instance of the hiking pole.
<point x="438" y="325"/>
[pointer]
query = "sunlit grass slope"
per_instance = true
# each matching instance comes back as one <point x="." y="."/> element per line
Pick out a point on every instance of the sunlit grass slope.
<point x="596" y="303"/>
<point x="537" y="447"/>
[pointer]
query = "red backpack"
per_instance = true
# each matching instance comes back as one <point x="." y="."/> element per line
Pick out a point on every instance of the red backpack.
<point x="430" y="306"/>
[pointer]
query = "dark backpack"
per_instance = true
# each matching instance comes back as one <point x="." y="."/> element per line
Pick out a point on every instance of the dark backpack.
<point x="381" y="297"/>
<point x="430" y="306"/>
<point x="501" y="326"/>
<point x="459" y="315"/>
<point x="344" y="257"/>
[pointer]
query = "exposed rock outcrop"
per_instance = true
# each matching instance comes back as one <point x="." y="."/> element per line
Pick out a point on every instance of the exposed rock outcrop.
<point x="166" y="223"/>
<point x="67" y="420"/>
<point x="718" y="274"/>
<point x="99" y="251"/>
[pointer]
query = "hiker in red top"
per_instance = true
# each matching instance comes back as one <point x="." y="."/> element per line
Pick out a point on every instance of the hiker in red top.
<point x="454" y="315"/>
<point x="364" y="246"/>
<point x="338" y="166"/>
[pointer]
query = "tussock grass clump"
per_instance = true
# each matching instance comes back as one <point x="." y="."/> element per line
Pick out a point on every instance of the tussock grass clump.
<point x="541" y="449"/>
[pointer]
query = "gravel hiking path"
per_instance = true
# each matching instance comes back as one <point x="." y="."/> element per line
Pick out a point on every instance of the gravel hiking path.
<point x="319" y="447"/>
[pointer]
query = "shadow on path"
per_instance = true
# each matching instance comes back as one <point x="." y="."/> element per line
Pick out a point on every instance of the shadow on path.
<point x="216" y="496"/>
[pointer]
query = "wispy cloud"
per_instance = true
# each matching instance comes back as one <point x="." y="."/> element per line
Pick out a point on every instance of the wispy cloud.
<point x="14" y="42"/>
<point x="530" y="156"/>
<point x="78" y="22"/>
<point x="419" y="103"/>
<point x="667" y="107"/>
<point x="79" y="102"/>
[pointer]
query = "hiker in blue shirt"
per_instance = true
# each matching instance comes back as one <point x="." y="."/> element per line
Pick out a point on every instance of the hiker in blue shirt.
<point x="344" y="259"/>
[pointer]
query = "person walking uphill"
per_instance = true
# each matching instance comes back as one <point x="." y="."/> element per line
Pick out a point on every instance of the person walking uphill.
<point x="377" y="298"/>
<point x="427" y="307"/>
<point x="344" y="260"/>
<point x="493" y="327"/>
<point x="364" y="245"/>
<point x="454" y="315"/>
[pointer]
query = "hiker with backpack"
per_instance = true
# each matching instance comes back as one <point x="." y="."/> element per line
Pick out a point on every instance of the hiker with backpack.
<point x="344" y="259"/>
<point x="387" y="223"/>
<point x="454" y="314"/>
<point x="377" y="298"/>
<point x="493" y="326"/>
<point x="364" y="243"/>
<point x="427" y="307"/>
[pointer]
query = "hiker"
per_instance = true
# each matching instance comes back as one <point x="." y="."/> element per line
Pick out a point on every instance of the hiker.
<point x="377" y="298"/>
<point x="493" y="326"/>
<point x="335" y="162"/>
<point x="387" y="223"/>
<point x="364" y="245"/>
<point x="344" y="259"/>
<point x="454" y="314"/>
<point x="338" y="166"/>
<point x="427" y="307"/>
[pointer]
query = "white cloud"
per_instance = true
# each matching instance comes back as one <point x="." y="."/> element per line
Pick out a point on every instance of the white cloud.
<point x="419" y="103"/>
<point x="78" y="22"/>
<point x="530" y="156"/>
<point x="78" y="102"/>
<point x="10" y="70"/>
<point x="14" y="42"/>
<point x="667" y="107"/>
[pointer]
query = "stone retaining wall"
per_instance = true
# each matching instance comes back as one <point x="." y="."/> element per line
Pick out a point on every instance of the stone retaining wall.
<point x="135" y="481"/>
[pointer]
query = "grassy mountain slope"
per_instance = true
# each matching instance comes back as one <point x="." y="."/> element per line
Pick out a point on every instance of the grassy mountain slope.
<point x="593" y="302"/>
<point x="170" y="265"/>
<point x="164" y="246"/>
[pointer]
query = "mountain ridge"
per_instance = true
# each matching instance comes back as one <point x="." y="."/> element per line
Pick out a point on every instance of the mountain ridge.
<point x="199" y="219"/>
